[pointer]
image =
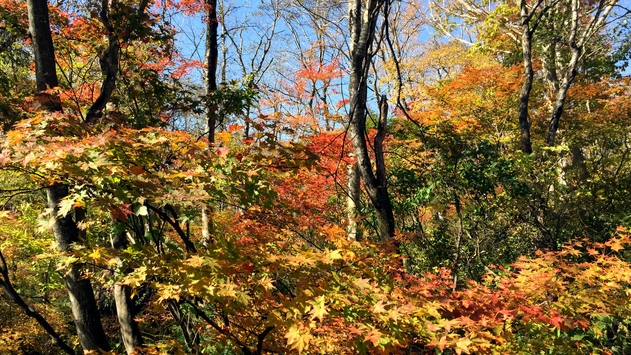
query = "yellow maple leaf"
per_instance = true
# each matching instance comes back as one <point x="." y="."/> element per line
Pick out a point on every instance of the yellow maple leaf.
<point x="298" y="339"/>
<point x="462" y="346"/>
<point x="319" y="309"/>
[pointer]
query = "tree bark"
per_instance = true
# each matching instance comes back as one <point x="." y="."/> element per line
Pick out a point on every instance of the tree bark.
<point x="524" y="94"/>
<point x="109" y="65"/>
<point x="130" y="332"/>
<point x="84" y="309"/>
<point x="211" y="61"/>
<point x="212" y="54"/>
<point x="559" y="104"/>
<point x="577" y="41"/>
<point x="385" y="215"/>
<point x="362" y="24"/>
<point x="352" y="202"/>
<point x="39" y="28"/>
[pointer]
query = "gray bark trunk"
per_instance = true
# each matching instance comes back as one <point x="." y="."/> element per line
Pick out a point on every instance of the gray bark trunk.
<point x="352" y="202"/>
<point x="362" y="23"/>
<point x="84" y="309"/>
<point x="130" y="332"/>
<point x="39" y="28"/>
<point x="524" y="95"/>
<point x="577" y="41"/>
<point x="109" y="65"/>
<point x="562" y="94"/>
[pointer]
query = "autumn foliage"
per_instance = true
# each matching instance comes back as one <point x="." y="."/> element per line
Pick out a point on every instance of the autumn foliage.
<point x="240" y="245"/>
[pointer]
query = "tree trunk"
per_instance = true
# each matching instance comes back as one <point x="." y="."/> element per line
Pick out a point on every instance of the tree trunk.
<point x="352" y="202"/>
<point x="362" y="23"/>
<point x="207" y="225"/>
<point x="84" y="309"/>
<point x="130" y="332"/>
<point x="594" y="22"/>
<point x="109" y="65"/>
<point x="211" y="61"/>
<point x="524" y="95"/>
<point x="212" y="54"/>
<point x="385" y="215"/>
<point x="39" y="28"/>
<point x="562" y="94"/>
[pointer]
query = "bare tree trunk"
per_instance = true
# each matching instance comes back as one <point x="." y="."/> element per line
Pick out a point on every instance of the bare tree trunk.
<point x="109" y="59"/>
<point x="84" y="309"/>
<point x="362" y="24"/>
<point x="577" y="41"/>
<point x="352" y="202"/>
<point x="212" y="54"/>
<point x="562" y="94"/>
<point x="211" y="61"/>
<point x="130" y="332"/>
<point x="109" y="65"/>
<point x="207" y="225"/>
<point x="385" y="215"/>
<point x="524" y="94"/>
<point x="39" y="28"/>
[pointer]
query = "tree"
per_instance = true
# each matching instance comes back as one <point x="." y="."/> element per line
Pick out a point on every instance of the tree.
<point x="584" y="21"/>
<point x="362" y="25"/>
<point x="84" y="309"/>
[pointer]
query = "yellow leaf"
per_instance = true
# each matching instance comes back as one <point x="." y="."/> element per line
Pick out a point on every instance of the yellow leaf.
<point x="319" y="309"/>
<point x="223" y="137"/>
<point x="298" y="339"/>
<point x="378" y="307"/>
<point x="462" y="346"/>
<point x="334" y="255"/>
<point x="95" y="254"/>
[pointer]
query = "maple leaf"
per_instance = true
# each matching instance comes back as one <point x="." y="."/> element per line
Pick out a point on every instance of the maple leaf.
<point x="374" y="337"/>
<point x="378" y="307"/>
<point x="556" y="321"/>
<point x="462" y="346"/>
<point x="136" y="170"/>
<point x="318" y="309"/>
<point x="95" y="254"/>
<point x="297" y="339"/>
<point x="615" y="244"/>
<point x="235" y="127"/>
<point x="333" y="255"/>
<point x="362" y="283"/>
<point x="121" y="212"/>
<point x="195" y="261"/>
<point x="222" y="151"/>
<point x="65" y="206"/>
